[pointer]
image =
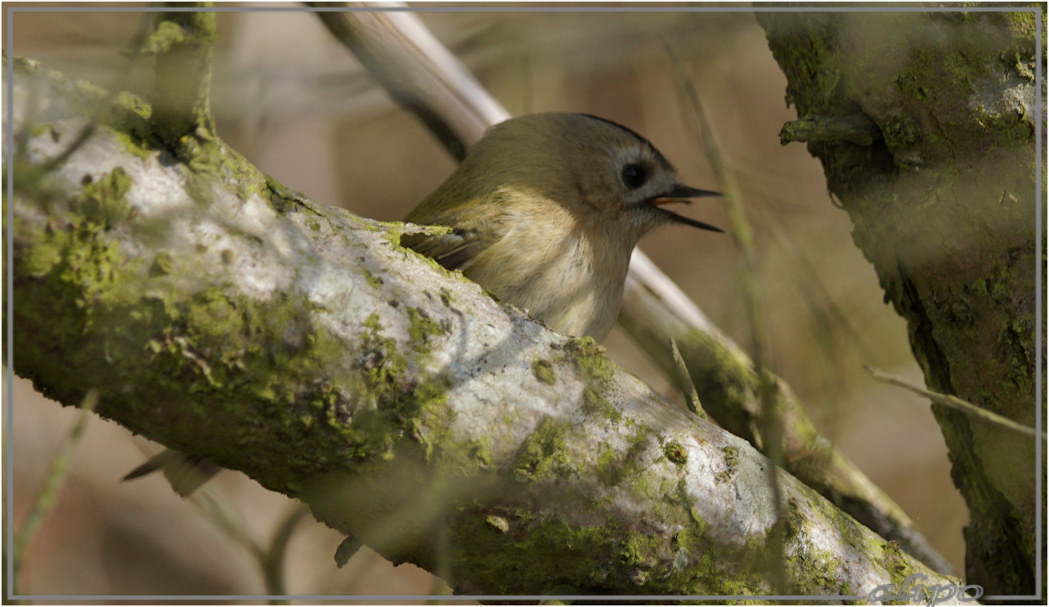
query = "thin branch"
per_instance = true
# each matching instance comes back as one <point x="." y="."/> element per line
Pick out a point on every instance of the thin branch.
<point x="46" y="497"/>
<point x="228" y="520"/>
<point x="269" y="559"/>
<point x="955" y="403"/>
<point x="857" y="128"/>
<point x="688" y="386"/>
<point x="278" y="548"/>
<point x="420" y="74"/>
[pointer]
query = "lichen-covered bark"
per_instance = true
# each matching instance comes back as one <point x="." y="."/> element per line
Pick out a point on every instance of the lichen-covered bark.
<point x="729" y="385"/>
<point x="220" y="314"/>
<point x="938" y="177"/>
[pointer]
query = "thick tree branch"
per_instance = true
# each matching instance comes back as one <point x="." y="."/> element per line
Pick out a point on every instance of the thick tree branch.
<point x="218" y="314"/>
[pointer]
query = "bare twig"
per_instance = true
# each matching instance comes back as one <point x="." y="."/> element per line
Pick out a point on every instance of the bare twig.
<point x="278" y="548"/>
<point x="269" y="559"/>
<point x="688" y="387"/>
<point x="44" y="502"/>
<point x="857" y="128"/>
<point x="955" y="403"/>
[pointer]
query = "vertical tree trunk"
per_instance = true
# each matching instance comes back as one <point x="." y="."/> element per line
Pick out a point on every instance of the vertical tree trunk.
<point x="925" y="124"/>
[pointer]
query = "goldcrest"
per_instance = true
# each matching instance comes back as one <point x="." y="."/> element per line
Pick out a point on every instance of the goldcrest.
<point x="546" y="210"/>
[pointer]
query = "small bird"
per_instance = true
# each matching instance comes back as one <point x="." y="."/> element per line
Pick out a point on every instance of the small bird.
<point x="545" y="211"/>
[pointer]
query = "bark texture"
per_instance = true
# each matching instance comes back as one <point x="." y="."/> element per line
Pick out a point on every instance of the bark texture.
<point x="222" y="315"/>
<point x="931" y="150"/>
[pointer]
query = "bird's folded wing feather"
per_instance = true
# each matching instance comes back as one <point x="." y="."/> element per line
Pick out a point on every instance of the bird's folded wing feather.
<point x="455" y="250"/>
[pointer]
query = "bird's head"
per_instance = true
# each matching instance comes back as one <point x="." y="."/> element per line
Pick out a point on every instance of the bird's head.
<point x="600" y="171"/>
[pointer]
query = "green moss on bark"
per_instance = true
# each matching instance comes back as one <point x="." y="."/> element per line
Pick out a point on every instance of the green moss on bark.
<point x="543" y="454"/>
<point x="596" y="370"/>
<point x="543" y="370"/>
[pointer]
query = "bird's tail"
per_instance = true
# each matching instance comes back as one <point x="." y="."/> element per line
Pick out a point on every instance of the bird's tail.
<point x="185" y="473"/>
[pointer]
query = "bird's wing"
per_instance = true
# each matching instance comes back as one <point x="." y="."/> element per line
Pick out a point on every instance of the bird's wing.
<point x="477" y="223"/>
<point x="455" y="250"/>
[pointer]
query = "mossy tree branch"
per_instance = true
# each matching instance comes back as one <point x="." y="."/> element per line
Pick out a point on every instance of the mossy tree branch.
<point x="221" y="315"/>
<point x="943" y="202"/>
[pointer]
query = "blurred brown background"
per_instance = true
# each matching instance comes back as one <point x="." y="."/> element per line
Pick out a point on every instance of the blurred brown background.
<point x="300" y="107"/>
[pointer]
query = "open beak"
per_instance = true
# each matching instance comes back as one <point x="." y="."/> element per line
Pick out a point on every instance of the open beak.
<point x="681" y="193"/>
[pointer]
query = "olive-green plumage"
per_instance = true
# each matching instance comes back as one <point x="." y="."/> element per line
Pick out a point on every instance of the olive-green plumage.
<point x="546" y="209"/>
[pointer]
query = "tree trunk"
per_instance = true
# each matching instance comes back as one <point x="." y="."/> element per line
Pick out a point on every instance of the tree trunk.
<point x="925" y="124"/>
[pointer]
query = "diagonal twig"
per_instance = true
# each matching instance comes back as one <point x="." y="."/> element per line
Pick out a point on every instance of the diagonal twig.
<point x="955" y="403"/>
<point x="44" y="502"/>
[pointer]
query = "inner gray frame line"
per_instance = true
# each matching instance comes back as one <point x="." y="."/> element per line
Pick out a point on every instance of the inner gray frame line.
<point x="648" y="598"/>
<point x="742" y="8"/>
<point x="1039" y="298"/>
<point x="9" y="342"/>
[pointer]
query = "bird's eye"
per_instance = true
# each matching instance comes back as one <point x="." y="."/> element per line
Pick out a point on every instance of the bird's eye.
<point x="634" y="176"/>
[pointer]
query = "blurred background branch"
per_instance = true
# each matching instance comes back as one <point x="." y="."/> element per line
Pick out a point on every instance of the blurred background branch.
<point x="418" y="72"/>
<point x="44" y="501"/>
